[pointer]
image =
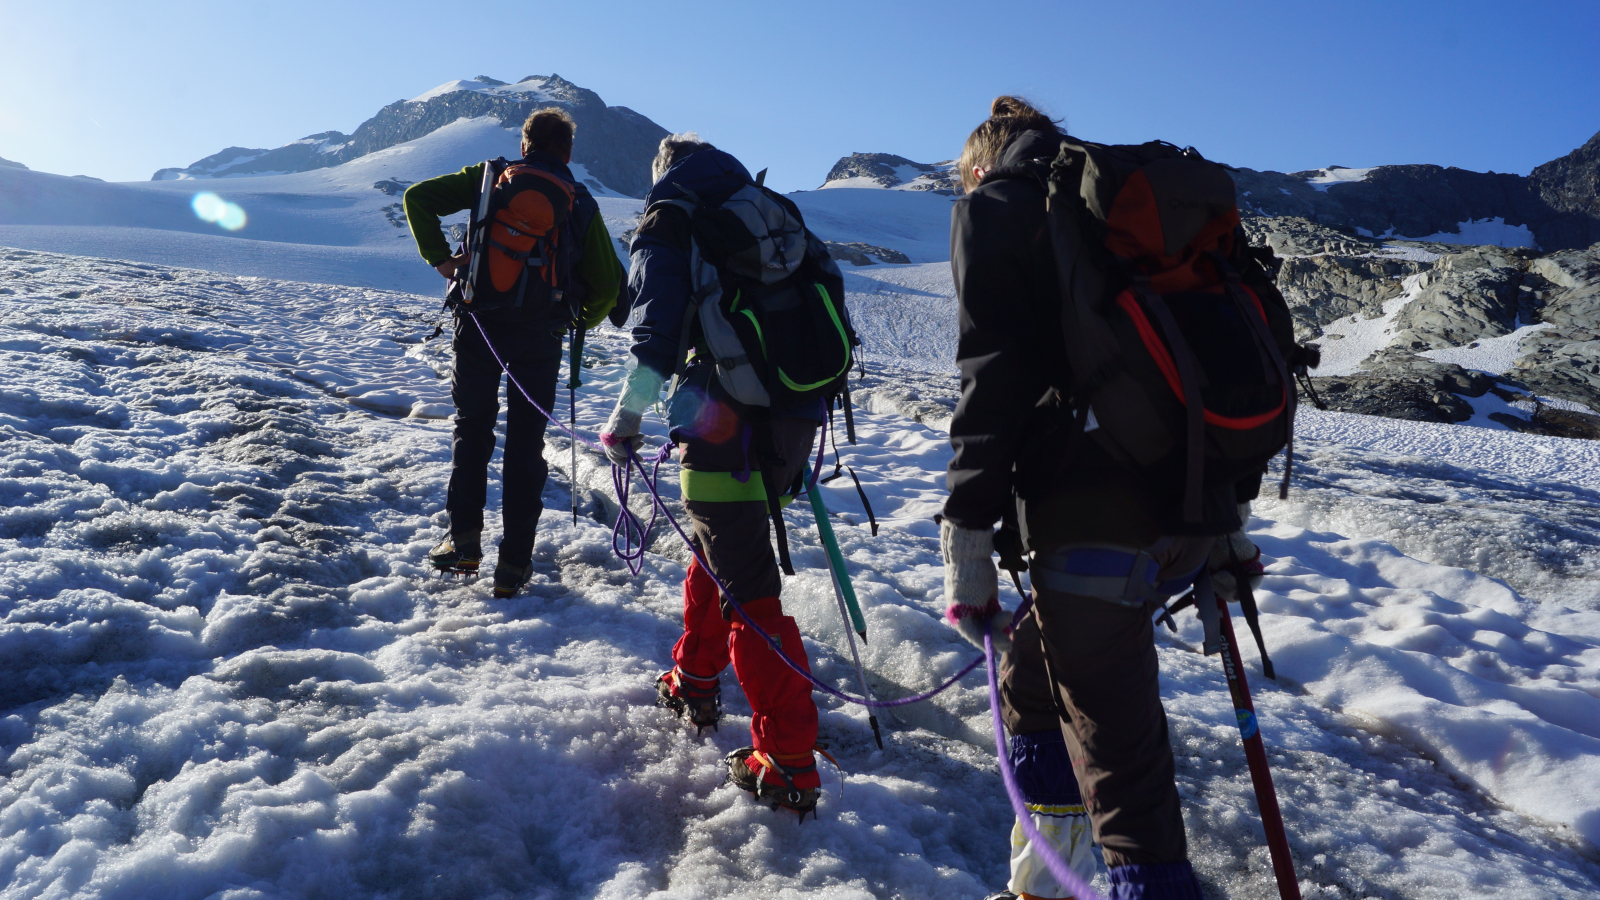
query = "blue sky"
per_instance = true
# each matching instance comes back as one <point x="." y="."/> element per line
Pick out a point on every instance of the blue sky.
<point x="118" y="90"/>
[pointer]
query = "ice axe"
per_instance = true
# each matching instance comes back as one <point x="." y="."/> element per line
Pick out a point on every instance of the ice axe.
<point x="574" y="369"/>
<point x="843" y="593"/>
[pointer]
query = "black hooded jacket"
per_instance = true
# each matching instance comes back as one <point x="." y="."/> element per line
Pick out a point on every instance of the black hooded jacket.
<point x="1011" y="428"/>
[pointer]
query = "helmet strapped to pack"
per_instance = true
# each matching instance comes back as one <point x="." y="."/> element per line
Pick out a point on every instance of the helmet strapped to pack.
<point x="521" y="239"/>
<point x="1176" y="339"/>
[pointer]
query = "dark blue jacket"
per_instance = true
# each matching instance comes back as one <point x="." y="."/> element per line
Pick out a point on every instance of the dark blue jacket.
<point x="659" y="282"/>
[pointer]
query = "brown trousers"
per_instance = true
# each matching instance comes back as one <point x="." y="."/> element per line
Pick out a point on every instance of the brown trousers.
<point x="1090" y="665"/>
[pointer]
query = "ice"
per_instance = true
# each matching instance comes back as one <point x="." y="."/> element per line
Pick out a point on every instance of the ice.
<point x="1327" y="178"/>
<point x="1496" y="355"/>
<point x="1347" y="342"/>
<point x="226" y="671"/>
<point x="1494" y="232"/>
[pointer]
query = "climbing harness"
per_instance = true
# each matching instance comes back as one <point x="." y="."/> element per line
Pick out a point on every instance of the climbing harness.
<point x="635" y="535"/>
<point x="629" y="528"/>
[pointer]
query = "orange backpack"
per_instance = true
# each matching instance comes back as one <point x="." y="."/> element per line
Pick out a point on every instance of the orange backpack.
<point x="521" y="240"/>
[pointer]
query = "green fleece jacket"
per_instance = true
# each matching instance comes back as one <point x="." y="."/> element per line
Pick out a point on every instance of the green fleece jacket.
<point x="428" y="201"/>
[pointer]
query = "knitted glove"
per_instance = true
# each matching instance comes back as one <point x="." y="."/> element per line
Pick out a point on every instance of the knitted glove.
<point x="621" y="435"/>
<point x="972" y="585"/>
<point x="640" y="389"/>
<point x="1225" y="572"/>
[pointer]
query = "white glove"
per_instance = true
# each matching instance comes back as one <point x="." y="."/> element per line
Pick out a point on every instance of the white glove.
<point x="640" y="390"/>
<point x="972" y="585"/>
<point x="1224" y="571"/>
<point x="620" y="436"/>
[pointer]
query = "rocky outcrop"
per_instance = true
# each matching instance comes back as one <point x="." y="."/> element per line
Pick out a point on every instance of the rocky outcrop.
<point x="8" y="164"/>
<point x="1571" y="186"/>
<point x="885" y="170"/>
<point x="614" y="143"/>
<point x="1562" y="359"/>
<point x="859" y="254"/>
<point x="1442" y="298"/>
<point x="1558" y="205"/>
<point x="1465" y="297"/>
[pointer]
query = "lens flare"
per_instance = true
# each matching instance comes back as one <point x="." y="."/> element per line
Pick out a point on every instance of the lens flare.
<point x="211" y="208"/>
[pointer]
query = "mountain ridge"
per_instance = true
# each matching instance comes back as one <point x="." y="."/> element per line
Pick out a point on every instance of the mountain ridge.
<point x="614" y="143"/>
<point x="1556" y="207"/>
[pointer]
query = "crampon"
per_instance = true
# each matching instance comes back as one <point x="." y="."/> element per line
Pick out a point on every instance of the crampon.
<point x="778" y="796"/>
<point x="698" y="698"/>
<point x="456" y="558"/>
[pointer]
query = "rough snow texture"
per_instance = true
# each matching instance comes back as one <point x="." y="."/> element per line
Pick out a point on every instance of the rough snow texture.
<point x="227" y="673"/>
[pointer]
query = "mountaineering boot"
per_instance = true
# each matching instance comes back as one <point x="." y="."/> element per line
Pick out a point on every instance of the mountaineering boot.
<point x="510" y="577"/>
<point x="745" y="772"/>
<point x="700" y="698"/>
<point x="458" y="554"/>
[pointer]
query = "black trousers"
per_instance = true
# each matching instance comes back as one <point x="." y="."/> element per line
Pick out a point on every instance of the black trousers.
<point x="1090" y="665"/>
<point x="532" y="352"/>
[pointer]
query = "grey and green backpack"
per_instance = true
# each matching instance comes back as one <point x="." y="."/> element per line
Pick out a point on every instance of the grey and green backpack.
<point x="767" y="298"/>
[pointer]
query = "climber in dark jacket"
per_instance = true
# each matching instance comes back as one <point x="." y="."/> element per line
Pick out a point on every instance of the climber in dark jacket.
<point x="528" y="341"/>
<point x="1010" y="434"/>
<point x="719" y="443"/>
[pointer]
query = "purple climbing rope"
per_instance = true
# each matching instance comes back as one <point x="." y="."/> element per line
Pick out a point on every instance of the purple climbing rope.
<point x="620" y="478"/>
<point x="634" y="559"/>
<point x="1052" y="860"/>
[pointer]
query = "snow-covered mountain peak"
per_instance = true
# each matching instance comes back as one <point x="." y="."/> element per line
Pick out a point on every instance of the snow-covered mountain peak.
<point x="9" y="164"/>
<point x="1322" y="179"/>
<point x="530" y="88"/>
<point x="886" y="170"/>
<point x="613" y="144"/>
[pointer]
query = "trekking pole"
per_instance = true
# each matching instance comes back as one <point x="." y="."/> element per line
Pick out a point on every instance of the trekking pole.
<point x="574" y="365"/>
<point x="843" y="593"/>
<point x="1255" y="752"/>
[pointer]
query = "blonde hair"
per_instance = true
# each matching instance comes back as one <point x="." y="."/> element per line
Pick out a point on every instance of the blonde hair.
<point x="673" y="148"/>
<point x="1008" y="117"/>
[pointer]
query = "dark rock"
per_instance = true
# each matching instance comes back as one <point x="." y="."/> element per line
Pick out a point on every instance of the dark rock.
<point x="1566" y="423"/>
<point x="1559" y="202"/>
<point x="889" y="171"/>
<point x="1380" y="396"/>
<point x="393" y="187"/>
<point x="846" y="253"/>
<point x="1511" y="422"/>
<point x="857" y="253"/>
<point x="1571" y="185"/>
<point x="1451" y="407"/>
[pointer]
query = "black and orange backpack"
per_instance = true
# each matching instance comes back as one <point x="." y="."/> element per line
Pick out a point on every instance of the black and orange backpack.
<point x="1181" y="347"/>
<point x="522" y="240"/>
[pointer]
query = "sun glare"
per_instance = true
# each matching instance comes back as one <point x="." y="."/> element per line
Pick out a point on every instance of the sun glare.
<point x="211" y="208"/>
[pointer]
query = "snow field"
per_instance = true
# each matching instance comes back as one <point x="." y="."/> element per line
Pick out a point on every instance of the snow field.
<point x="228" y="674"/>
<point x="1347" y="342"/>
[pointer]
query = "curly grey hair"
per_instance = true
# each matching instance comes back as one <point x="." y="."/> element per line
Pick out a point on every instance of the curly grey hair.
<point x="673" y="148"/>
